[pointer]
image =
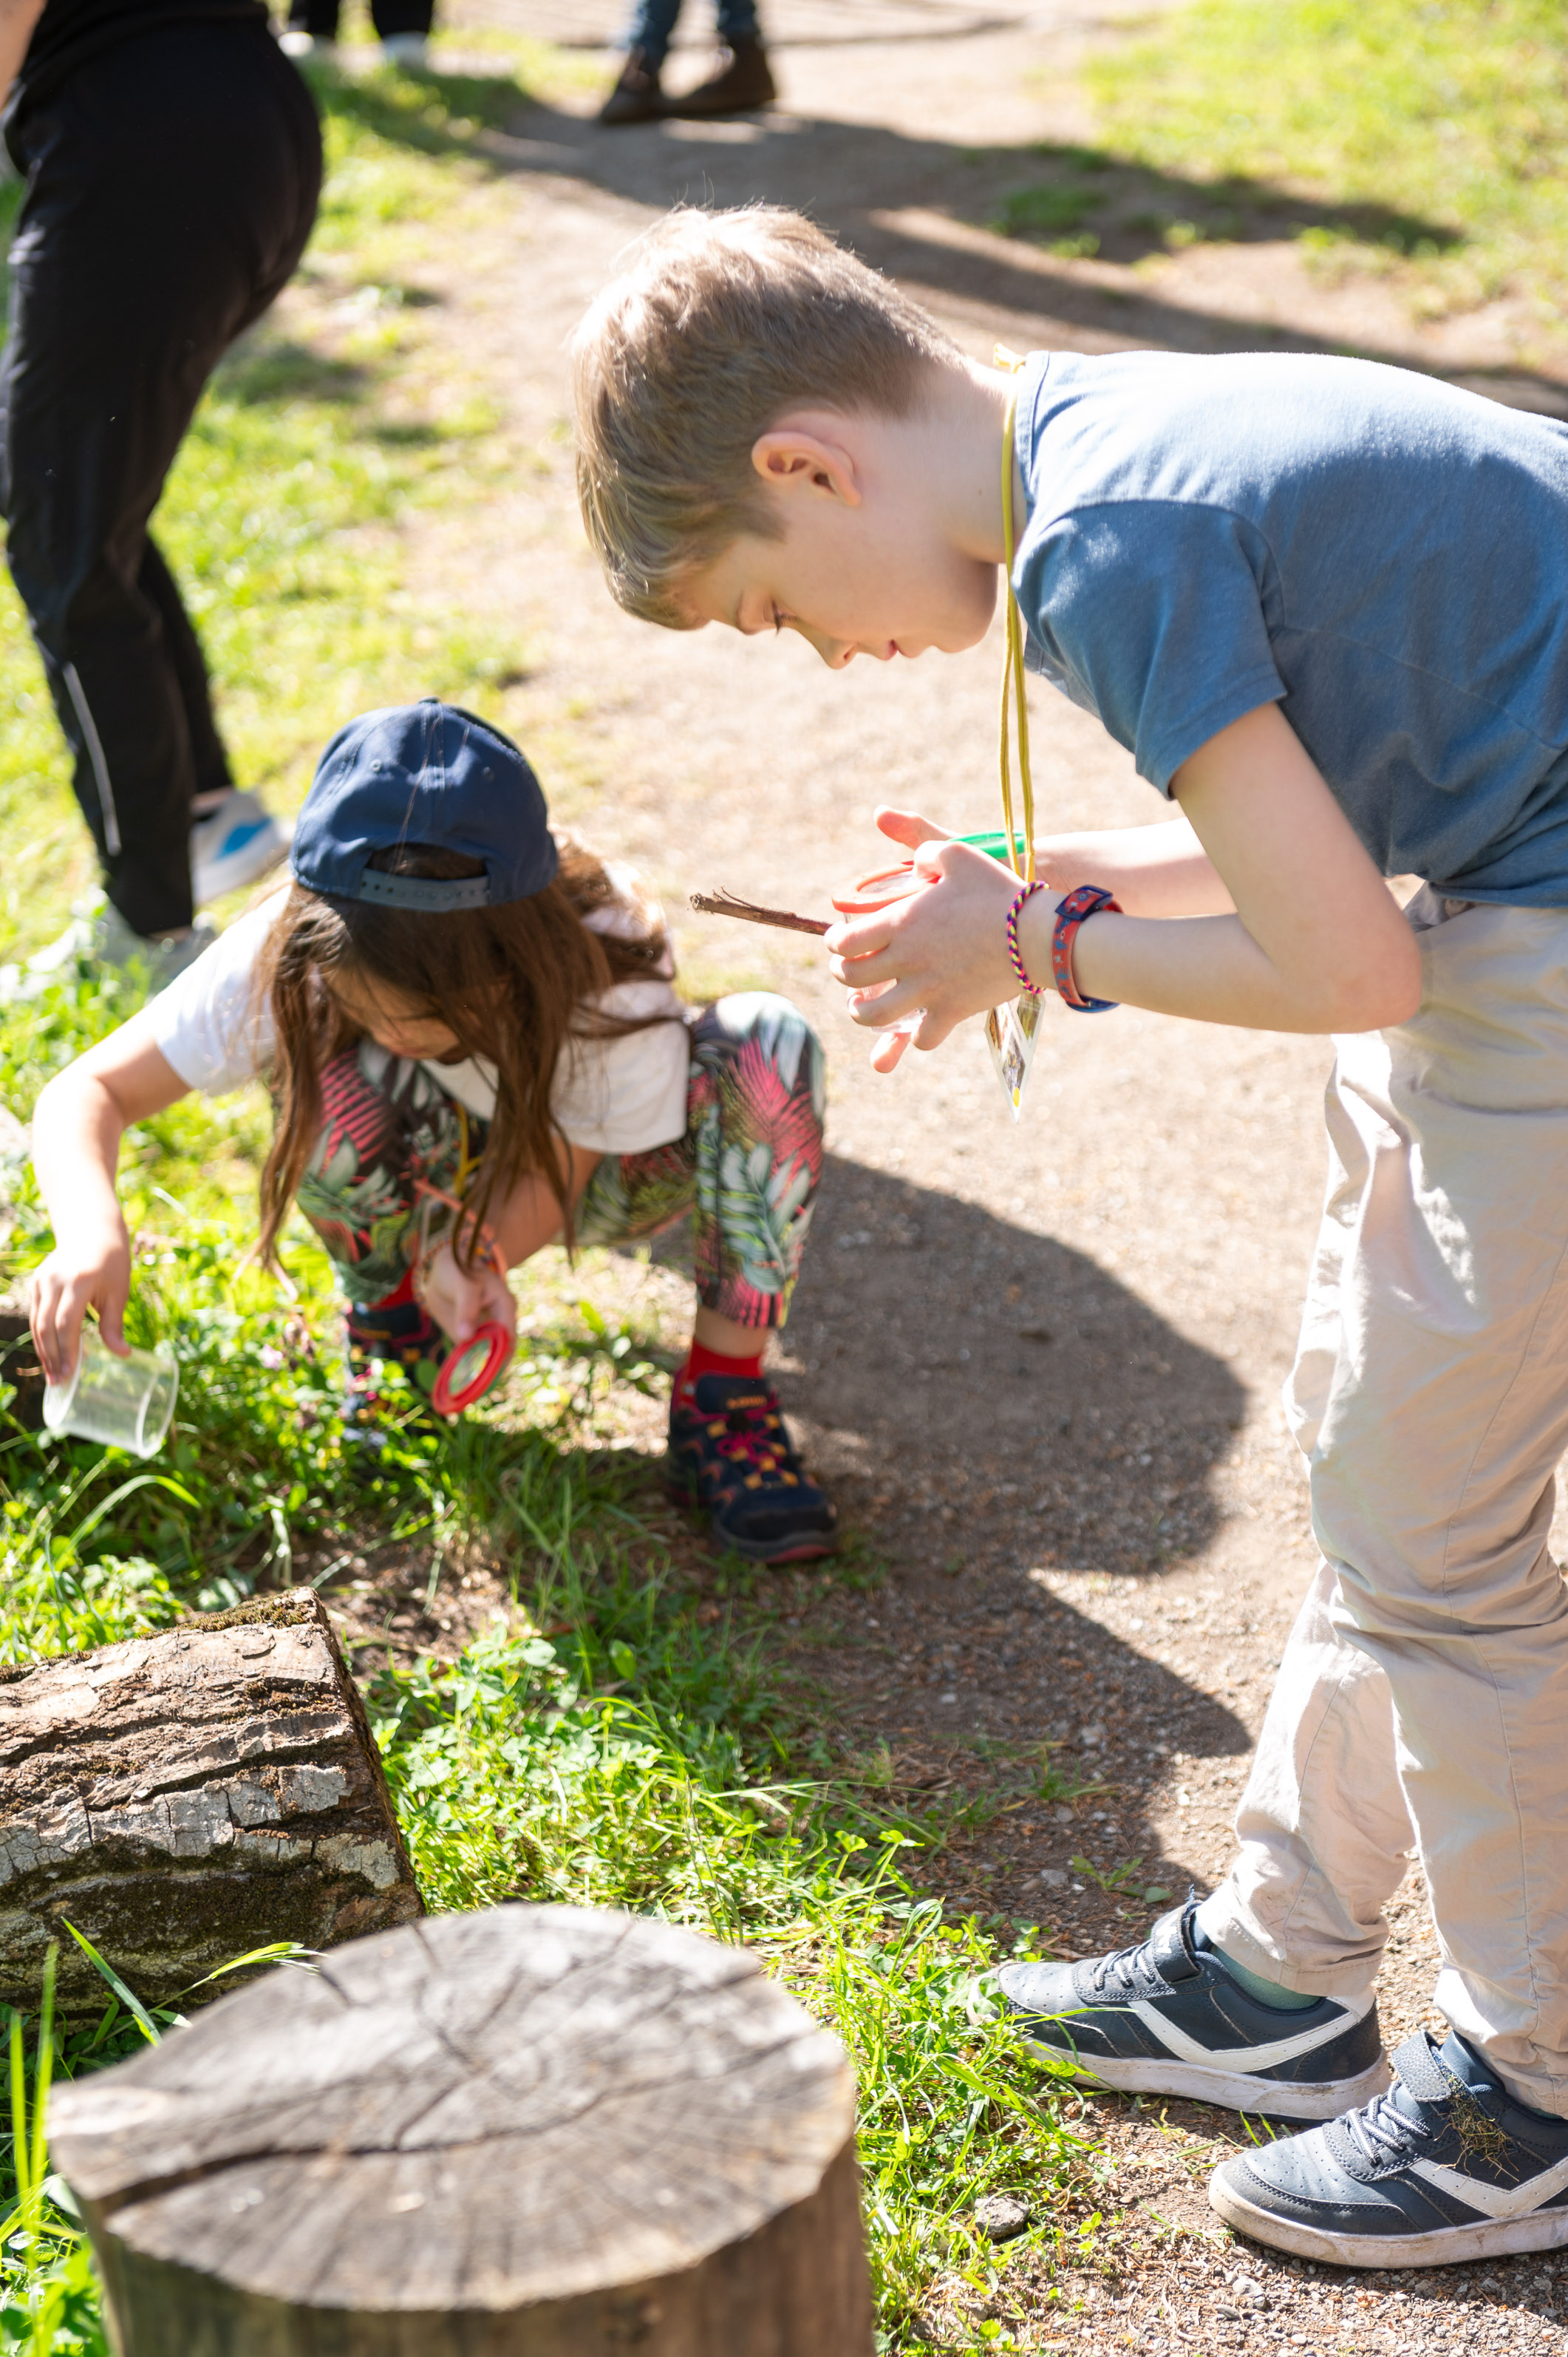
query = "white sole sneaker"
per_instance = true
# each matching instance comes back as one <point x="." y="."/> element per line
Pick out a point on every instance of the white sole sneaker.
<point x="1168" y="2019"/>
<point x="1237" y="2091"/>
<point x="1444" y="2168"/>
<point x="234" y="845"/>
<point x="1441" y="2246"/>
<point x="100" y="941"/>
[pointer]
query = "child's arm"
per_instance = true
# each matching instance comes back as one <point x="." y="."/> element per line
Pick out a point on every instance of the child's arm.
<point x="17" y="19"/>
<point x="1160" y="870"/>
<point x="77" y="1125"/>
<point x="1317" y="942"/>
<point x="530" y="1219"/>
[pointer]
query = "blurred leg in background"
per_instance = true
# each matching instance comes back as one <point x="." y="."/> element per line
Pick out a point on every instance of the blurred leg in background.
<point x="743" y="81"/>
<point x="172" y="182"/>
<point x="403" y="27"/>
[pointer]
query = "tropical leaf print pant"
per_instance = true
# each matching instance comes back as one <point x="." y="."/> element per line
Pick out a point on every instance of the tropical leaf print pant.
<point x="746" y="1172"/>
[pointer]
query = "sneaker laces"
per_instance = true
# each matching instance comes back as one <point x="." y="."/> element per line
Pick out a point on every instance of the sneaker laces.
<point x="745" y="1442"/>
<point x="1119" y="1965"/>
<point x="1380" y="2131"/>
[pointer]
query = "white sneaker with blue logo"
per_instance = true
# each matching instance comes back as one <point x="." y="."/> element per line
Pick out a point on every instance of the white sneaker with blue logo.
<point x="1446" y="2166"/>
<point x="232" y="845"/>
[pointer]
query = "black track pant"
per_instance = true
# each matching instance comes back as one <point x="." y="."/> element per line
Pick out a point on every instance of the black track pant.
<point x="172" y="182"/>
<point x="388" y="16"/>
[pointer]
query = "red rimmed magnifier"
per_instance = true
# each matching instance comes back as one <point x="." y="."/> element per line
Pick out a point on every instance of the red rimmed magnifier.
<point x="468" y="1372"/>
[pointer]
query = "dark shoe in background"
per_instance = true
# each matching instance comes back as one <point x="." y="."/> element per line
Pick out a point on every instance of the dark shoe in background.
<point x="743" y="81"/>
<point x="637" y="97"/>
<point x="730" y="1453"/>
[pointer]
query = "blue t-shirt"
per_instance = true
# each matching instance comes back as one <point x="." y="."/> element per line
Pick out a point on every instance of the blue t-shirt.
<point x="1384" y="556"/>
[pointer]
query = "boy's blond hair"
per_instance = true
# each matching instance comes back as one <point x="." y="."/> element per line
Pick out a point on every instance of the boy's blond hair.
<point x="719" y="323"/>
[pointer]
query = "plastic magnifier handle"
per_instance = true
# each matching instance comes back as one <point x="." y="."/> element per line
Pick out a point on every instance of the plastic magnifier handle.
<point x="471" y="1369"/>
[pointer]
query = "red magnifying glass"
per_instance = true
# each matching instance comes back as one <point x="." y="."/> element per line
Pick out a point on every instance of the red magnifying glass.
<point x="466" y="1376"/>
<point x="879" y="889"/>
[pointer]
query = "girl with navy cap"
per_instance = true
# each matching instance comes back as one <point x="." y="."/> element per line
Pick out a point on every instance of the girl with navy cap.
<point x="472" y="1038"/>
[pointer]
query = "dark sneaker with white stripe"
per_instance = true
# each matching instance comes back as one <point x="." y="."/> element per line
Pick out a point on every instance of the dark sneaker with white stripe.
<point x="1443" y="2167"/>
<point x="1166" y="2019"/>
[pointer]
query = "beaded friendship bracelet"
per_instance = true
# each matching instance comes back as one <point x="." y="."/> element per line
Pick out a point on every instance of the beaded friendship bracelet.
<point x="1014" y="913"/>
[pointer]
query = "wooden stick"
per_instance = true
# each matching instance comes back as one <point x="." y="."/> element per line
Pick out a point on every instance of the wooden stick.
<point x="724" y="904"/>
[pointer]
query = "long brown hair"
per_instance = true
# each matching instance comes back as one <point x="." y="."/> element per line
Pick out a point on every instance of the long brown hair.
<point x="514" y="985"/>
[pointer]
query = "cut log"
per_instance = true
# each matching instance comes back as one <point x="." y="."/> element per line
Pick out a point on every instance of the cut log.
<point x="20" y="1363"/>
<point x="537" y="2132"/>
<point x="186" y="1797"/>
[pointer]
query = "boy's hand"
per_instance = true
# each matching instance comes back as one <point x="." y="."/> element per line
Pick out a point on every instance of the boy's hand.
<point x="461" y="1300"/>
<point x="89" y="1272"/>
<point x="941" y="954"/>
<point x="908" y="828"/>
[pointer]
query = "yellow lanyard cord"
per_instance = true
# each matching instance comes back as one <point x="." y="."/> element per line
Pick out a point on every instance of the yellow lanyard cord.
<point x="1013" y="665"/>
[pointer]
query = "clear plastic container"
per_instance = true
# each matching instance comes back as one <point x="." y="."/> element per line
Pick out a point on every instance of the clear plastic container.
<point x="123" y="1403"/>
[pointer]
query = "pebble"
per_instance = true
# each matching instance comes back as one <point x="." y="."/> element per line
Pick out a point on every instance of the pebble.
<point x="1001" y="2215"/>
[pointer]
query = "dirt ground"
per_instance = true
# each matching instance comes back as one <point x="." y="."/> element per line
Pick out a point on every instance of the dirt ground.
<point x="1039" y="1365"/>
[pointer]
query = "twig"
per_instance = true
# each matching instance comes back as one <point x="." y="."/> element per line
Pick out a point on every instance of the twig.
<point x="724" y="904"/>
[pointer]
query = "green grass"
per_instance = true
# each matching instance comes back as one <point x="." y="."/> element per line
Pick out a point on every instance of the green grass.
<point x="620" y="1737"/>
<point x="638" y="1756"/>
<point x="1452" y="114"/>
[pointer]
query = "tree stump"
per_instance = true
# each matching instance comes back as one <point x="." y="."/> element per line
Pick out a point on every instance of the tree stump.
<point x="186" y="1797"/>
<point x="535" y="2132"/>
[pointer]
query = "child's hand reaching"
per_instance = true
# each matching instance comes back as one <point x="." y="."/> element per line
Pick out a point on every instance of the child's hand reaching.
<point x="462" y="1300"/>
<point x="92" y="1271"/>
<point x="942" y="951"/>
<point x="908" y="827"/>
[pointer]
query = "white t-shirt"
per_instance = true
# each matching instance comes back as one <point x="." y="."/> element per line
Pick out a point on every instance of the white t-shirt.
<point x="610" y="1097"/>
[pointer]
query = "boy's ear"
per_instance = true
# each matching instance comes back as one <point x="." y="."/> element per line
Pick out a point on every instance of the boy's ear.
<point x="793" y="459"/>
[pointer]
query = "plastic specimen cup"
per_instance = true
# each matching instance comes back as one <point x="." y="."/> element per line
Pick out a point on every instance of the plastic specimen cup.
<point x="123" y="1403"/>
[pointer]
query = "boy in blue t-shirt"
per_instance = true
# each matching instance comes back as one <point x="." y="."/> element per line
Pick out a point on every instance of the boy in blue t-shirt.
<point x="1326" y="606"/>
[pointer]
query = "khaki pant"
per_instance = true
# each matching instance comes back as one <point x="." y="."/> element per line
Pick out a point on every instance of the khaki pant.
<point x="1423" y="1700"/>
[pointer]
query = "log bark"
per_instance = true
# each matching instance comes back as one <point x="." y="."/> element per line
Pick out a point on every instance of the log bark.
<point x="188" y="1796"/>
<point x="535" y="2132"/>
<point x="20" y="1363"/>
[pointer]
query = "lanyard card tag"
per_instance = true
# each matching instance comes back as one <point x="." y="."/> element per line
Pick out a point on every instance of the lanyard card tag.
<point x="1011" y="1033"/>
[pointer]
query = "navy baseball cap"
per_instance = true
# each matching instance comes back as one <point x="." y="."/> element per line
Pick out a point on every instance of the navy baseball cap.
<point x="426" y="773"/>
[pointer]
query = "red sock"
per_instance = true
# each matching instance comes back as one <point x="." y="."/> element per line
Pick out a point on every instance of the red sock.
<point x="701" y="1362"/>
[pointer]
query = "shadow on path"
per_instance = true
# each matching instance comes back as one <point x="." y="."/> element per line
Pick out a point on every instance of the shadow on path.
<point x="863" y="181"/>
<point x="1053" y="1418"/>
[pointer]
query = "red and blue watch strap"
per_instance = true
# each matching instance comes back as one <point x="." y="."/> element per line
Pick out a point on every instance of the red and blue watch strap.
<point x="1087" y="900"/>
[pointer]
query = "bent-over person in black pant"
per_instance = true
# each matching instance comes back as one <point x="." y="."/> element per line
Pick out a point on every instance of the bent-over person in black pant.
<point x="173" y="164"/>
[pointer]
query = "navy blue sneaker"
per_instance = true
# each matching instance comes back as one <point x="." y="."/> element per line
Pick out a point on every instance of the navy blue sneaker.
<point x="730" y="1451"/>
<point x="1443" y="2167"/>
<point x="1166" y="2019"/>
